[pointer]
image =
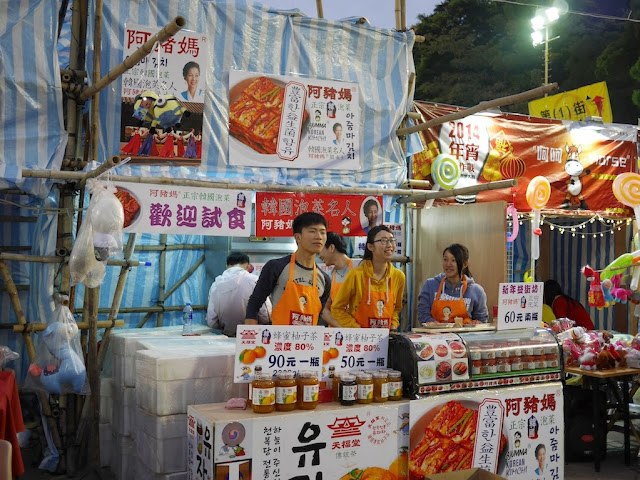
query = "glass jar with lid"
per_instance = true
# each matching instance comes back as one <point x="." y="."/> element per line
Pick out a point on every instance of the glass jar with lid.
<point x="286" y="391"/>
<point x="348" y="389"/>
<point x="380" y="387"/>
<point x="264" y="393"/>
<point x="364" y="382"/>
<point x="395" y="385"/>
<point x="308" y="390"/>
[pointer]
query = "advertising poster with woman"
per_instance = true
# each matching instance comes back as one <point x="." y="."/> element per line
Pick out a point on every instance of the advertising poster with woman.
<point x="163" y="99"/>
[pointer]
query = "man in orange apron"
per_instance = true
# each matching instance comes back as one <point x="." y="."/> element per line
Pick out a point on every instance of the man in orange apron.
<point x="334" y="254"/>
<point x="297" y="288"/>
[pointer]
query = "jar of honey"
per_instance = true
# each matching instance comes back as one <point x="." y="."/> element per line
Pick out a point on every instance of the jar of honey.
<point x="256" y="371"/>
<point x="348" y="389"/>
<point x="264" y="393"/>
<point x="286" y="391"/>
<point x="364" y="382"/>
<point x="380" y="387"/>
<point x="335" y="387"/>
<point x="395" y="385"/>
<point x="308" y="389"/>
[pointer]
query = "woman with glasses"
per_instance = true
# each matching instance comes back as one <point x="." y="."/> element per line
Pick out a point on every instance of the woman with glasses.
<point x="453" y="293"/>
<point x="371" y="295"/>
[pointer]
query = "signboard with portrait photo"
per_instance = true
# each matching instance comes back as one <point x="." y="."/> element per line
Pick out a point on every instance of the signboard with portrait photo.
<point x="163" y="99"/>
<point x="347" y="215"/>
<point x="293" y="122"/>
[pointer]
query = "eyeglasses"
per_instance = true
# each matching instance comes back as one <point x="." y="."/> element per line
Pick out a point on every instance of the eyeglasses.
<point x="386" y="241"/>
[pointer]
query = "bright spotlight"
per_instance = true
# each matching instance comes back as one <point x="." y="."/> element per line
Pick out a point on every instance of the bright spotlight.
<point x="552" y="14"/>
<point x="536" y="37"/>
<point x="537" y="22"/>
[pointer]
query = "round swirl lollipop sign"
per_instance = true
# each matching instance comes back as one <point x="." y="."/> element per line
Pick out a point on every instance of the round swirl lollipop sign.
<point x="445" y="173"/>
<point x="626" y="188"/>
<point x="538" y="193"/>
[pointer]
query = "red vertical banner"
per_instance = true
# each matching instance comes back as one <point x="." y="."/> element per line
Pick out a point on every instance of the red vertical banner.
<point x="347" y="215"/>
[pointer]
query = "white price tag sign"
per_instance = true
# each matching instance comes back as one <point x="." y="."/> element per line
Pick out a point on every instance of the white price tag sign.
<point x="277" y="348"/>
<point x="520" y="305"/>
<point x="354" y="349"/>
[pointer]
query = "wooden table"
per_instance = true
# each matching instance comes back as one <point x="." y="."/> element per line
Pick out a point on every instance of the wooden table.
<point x="595" y="380"/>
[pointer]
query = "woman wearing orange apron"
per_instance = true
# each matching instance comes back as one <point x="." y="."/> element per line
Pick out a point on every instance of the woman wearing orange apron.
<point x="334" y="254"/>
<point x="371" y="295"/>
<point x="297" y="288"/>
<point x="453" y="294"/>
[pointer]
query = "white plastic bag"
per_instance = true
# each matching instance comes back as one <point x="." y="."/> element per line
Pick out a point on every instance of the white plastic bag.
<point x="59" y="367"/>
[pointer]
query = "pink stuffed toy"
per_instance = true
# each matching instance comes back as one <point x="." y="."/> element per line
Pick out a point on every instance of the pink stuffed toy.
<point x="588" y="359"/>
<point x="620" y="294"/>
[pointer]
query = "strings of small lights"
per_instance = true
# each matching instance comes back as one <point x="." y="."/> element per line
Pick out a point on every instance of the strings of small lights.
<point x="609" y="225"/>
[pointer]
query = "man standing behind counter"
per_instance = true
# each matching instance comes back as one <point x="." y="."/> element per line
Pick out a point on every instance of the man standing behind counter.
<point x="297" y="288"/>
<point x="229" y="294"/>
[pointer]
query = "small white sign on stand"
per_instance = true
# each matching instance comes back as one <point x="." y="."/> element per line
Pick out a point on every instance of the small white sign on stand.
<point x="520" y="305"/>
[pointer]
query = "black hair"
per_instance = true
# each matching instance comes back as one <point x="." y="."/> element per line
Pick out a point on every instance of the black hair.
<point x="188" y="66"/>
<point x="336" y="125"/>
<point x="552" y="289"/>
<point x="369" y="203"/>
<point x="337" y="241"/>
<point x="308" y="219"/>
<point x="371" y="236"/>
<point x="461" y="254"/>
<point x="539" y="447"/>
<point x="237" y="258"/>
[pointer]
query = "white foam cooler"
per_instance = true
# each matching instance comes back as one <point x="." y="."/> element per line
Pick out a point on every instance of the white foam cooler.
<point x="161" y="442"/>
<point x="123" y="422"/>
<point x="106" y="442"/>
<point x="123" y="457"/>
<point x="106" y="400"/>
<point x="170" y="380"/>
<point x="123" y="346"/>
<point x="143" y="473"/>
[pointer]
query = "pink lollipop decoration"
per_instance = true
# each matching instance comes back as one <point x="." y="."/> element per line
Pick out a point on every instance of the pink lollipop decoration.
<point x="538" y="193"/>
<point x="626" y="188"/>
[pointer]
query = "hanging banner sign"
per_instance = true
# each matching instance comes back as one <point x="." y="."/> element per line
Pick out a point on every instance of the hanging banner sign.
<point x="579" y="159"/>
<point x="520" y="305"/>
<point x="347" y="215"/>
<point x="293" y="122"/>
<point x="156" y="95"/>
<point x="589" y="101"/>
<point x="184" y="210"/>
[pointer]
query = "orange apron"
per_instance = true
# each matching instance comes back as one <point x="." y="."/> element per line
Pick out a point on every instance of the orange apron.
<point x="456" y="307"/>
<point x="299" y="304"/>
<point x="335" y="286"/>
<point x="376" y="308"/>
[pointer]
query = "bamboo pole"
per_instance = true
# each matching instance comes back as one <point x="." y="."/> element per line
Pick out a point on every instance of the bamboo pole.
<point x="95" y="99"/>
<point x="161" y="274"/>
<point x="72" y="106"/>
<point x="182" y="279"/>
<point x="31" y="353"/>
<point x="319" y="8"/>
<point x="498" y="102"/>
<point x="117" y="299"/>
<point x="39" y="327"/>
<point x="175" y="246"/>
<point x="108" y="164"/>
<point x="168" y="308"/>
<point x="53" y="259"/>
<point x="168" y="31"/>
<point x="68" y="72"/>
<point x="262" y="187"/>
<point x="424" y="196"/>
<point x="419" y="184"/>
<point x="414" y="115"/>
<point x="93" y="375"/>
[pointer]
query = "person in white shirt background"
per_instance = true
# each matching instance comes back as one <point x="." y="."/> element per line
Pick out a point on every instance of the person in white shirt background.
<point x="229" y="294"/>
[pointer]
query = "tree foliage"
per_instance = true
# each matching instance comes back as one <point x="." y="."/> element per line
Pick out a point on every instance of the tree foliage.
<point x="478" y="50"/>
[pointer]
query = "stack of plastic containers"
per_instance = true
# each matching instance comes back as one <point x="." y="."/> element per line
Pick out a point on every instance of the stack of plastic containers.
<point x="168" y="380"/>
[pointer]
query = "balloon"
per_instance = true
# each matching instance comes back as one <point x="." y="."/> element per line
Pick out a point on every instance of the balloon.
<point x="511" y="210"/>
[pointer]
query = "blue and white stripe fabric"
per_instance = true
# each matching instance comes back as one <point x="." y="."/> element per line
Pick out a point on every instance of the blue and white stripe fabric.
<point x="253" y="37"/>
<point x="32" y="130"/>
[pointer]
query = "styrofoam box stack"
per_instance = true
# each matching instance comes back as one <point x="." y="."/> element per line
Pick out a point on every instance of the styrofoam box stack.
<point x="170" y="380"/>
<point x="106" y="443"/>
<point x="123" y="348"/>
<point x="161" y="442"/>
<point x="106" y="400"/>
<point x="123" y="422"/>
<point x="143" y="473"/>
<point x="123" y="457"/>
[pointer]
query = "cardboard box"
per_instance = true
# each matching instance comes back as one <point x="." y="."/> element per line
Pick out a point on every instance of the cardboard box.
<point x="469" y="474"/>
